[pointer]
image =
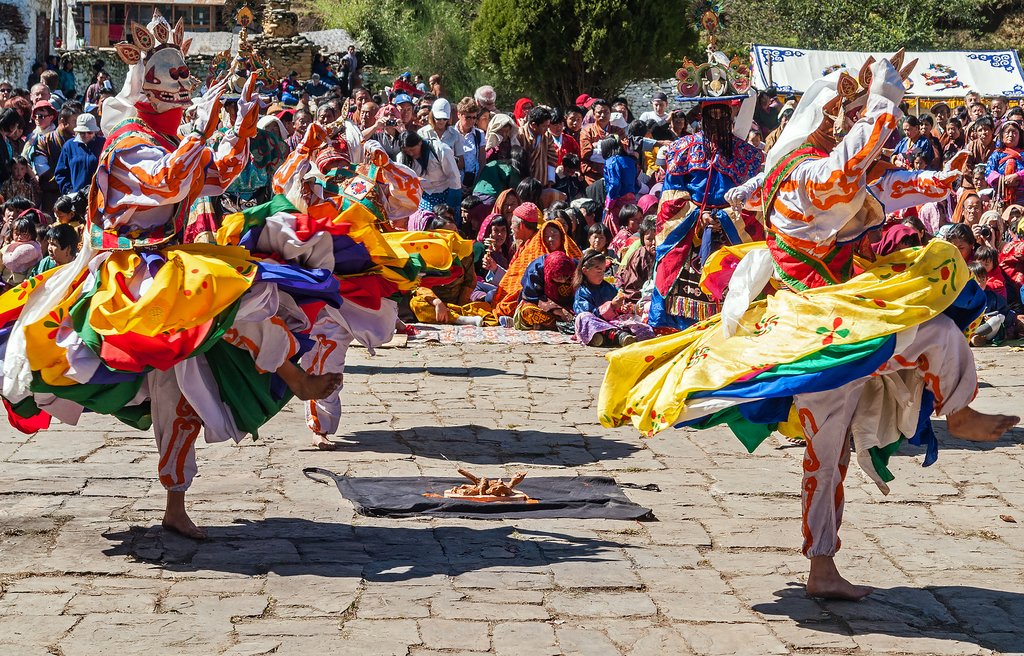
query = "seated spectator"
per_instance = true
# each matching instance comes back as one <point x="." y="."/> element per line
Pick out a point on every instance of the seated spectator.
<point x="638" y="263"/>
<point x="604" y="316"/>
<point x="22" y="253"/>
<point x="628" y="220"/>
<point x="1000" y="322"/>
<point x="547" y="293"/>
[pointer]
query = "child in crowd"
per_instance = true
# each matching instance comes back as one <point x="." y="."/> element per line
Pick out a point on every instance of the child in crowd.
<point x="620" y="175"/>
<point x="22" y="182"/>
<point x="604" y="316"/>
<point x="599" y="238"/>
<point x="61" y="247"/>
<point x="629" y="220"/>
<point x="638" y="263"/>
<point x="988" y="257"/>
<point x="22" y="253"/>
<point x="999" y="321"/>
<point x="494" y="256"/>
<point x="68" y="210"/>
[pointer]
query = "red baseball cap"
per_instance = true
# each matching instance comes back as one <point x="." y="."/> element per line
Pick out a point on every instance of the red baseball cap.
<point x="582" y="100"/>
<point x="43" y="104"/>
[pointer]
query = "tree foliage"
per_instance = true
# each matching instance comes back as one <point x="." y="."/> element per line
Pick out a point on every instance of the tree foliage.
<point x="556" y="49"/>
<point x="873" y="25"/>
<point x="425" y="37"/>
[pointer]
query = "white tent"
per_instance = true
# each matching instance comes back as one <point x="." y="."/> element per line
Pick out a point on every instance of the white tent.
<point x="945" y="74"/>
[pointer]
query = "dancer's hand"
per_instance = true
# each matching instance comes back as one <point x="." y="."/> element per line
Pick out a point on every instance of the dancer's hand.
<point x="248" y="112"/>
<point x="208" y="110"/>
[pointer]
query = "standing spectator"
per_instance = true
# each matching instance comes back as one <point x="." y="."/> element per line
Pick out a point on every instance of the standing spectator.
<point x="998" y="108"/>
<point x="438" y="129"/>
<point x="659" y="109"/>
<point x="591" y="160"/>
<point x="366" y="117"/>
<point x="982" y="145"/>
<point x="405" y="106"/>
<point x="952" y="140"/>
<point x="564" y="142"/>
<point x="386" y="130"/>
<point x="45" y="118"/>
<point x="10" y="144"/>
<point x="539" y="146"/>
<point x="433" y="161"/>
<point x="67" y="79"/>
<point x="39" y="92"/>
<point x="47" y="151"/>
<point x="915" y="142"/>
<point x="473" y="140"/>
<point x="78" y="162"/>
<point x="92" y="93"/>
<point x="436" y="88"/>
<point x="1006" y="165"/>
<point x="486" y="98"/>
<point x="33" y="77"/>
<point x="574" y="122"/>
<point x="353" y="66"/>
<point x="6" y="91"/>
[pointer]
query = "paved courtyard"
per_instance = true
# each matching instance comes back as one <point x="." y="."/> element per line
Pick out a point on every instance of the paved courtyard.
<point x="290" y="569"/>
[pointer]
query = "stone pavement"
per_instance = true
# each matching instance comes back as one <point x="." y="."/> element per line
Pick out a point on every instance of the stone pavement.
<point x="85" y="568"/>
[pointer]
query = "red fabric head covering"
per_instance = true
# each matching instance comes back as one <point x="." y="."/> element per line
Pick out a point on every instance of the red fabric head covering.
<point x="519" y="114"/>
<point x="646" y="202"/>
<point x="582" y="99"/>
<point x="891" y="238"/>
<point x="333" y="156"/>
<point x="558" y="265"/>
<point x="527" y="212"/>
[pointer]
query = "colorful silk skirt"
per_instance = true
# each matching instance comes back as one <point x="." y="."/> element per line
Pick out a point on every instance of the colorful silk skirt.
<point x="787" y="344"/>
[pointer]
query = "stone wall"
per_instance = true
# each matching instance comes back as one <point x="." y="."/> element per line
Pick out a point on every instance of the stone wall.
<point x="21" y="39"/>
<point x="287" y="55"/>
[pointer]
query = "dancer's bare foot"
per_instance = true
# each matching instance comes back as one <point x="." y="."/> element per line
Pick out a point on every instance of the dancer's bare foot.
<point x="309" y="387"/>
<point x="321" y="442"/>
<point x="969" y="424"/>
<point x="826" y="582"/>
<point x="177" y="520"/>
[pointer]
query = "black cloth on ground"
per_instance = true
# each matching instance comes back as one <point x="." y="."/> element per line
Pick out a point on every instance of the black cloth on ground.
<point x="575" y="497"/>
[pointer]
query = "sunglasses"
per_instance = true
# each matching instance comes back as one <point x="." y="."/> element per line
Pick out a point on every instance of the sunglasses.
<point x="41" y="115"/>
<point x="6" y="90"/>
<point x="471" y="115"/>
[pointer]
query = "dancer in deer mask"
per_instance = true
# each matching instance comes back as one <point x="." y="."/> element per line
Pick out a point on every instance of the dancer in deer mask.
<point x="177" y="337"/>
<point x="844" y="350"/>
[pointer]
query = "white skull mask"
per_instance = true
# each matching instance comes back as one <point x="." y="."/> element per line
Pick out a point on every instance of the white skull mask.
<point x="167" y="84"/>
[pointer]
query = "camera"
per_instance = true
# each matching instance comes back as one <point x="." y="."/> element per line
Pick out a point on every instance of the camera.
<point x="391" y="122"/>
<point x="986" y="232"/>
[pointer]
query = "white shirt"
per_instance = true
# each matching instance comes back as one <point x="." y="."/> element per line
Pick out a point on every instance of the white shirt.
<point x="442" y="172"/>
<point x="470" y="151"/>
<point x="654" y="116"/>
<point x="451" y="138"/>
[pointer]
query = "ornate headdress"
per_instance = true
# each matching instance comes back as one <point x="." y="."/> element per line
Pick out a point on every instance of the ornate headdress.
<point x="833" y="100"/>
<point x="721" y="79"/>
<point x="851" y="94"/>
<point x="247" y="60"/>
<point x="160" y="51"/>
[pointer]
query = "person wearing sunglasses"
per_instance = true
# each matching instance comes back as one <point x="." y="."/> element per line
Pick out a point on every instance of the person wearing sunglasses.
<point x="473" y="140"/>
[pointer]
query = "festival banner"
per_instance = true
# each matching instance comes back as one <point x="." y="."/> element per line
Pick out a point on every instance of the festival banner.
<point x="944" y="74"/>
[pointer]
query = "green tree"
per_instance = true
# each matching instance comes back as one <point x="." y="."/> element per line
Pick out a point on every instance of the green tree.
<point x="424" y="37"/>
<point x="556" y="49"/>
<point x="874" y="25"/>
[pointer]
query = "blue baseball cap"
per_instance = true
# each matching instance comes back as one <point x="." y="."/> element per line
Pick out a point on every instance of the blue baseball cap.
<point x="403" y="98"/>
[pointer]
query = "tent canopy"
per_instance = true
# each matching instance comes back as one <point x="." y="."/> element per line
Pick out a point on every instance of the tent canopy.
<point x="945" y="74"/>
